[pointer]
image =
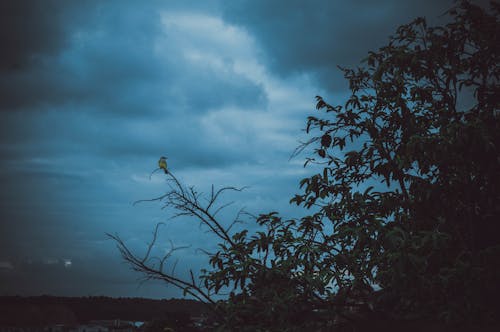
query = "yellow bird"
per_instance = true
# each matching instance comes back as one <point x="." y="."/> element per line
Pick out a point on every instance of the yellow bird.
<point x="162" y="163"/>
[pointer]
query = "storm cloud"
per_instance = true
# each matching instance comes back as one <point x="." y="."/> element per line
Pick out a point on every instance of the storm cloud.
<point x="92" y="93"/>
<point x="317" y="36"/>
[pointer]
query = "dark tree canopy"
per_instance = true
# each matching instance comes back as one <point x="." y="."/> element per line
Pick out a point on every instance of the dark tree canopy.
<point x="422" y="127"/>
<point x="405" y="213"/>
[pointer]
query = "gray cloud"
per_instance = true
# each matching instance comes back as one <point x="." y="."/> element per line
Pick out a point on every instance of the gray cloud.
<point x="29" y="29"/>
<point x="110" y="61"/>
<point x="90" y="96"/>
<point x="316" y="36"/>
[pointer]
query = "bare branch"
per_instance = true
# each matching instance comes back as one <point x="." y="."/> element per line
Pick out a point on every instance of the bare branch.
<point x="302" y="146"/>
<point x="237" y="218"/>
<point x="156" y="170"/>
<point x="151" y="244"/>
<point x="222" y="207"/>
<point x="150" y="272"/>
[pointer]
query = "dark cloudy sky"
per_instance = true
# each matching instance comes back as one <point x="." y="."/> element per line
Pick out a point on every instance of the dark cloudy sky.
<point x="93" y="92"/>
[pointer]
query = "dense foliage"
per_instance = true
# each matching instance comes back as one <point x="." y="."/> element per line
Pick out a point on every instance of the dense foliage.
<point x="404" y="214"/>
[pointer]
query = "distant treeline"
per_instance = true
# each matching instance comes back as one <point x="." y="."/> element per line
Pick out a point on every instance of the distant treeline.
<point x="46" y="310"/>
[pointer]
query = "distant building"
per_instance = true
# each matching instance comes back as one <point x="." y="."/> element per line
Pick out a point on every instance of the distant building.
<point x="89" y="328"/>
<point x="116" y="325"/>
<point x="57" y="328"/>
<point x="112" y="325"/>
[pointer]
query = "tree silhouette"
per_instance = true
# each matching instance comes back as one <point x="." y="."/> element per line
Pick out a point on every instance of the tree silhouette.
<point x="404" y="215"/>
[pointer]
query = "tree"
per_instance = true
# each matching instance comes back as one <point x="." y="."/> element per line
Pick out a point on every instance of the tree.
<point x="404" y="214"/>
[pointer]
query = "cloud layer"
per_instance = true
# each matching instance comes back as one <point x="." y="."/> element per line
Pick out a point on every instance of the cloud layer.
<point x="92" y="93"/>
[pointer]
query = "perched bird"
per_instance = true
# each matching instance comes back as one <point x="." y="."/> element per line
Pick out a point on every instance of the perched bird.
<point x="162" y="163"/>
